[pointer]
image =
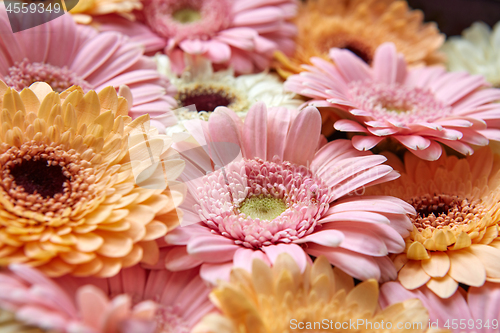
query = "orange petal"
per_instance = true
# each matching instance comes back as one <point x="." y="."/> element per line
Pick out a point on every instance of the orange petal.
<point x="76" y="258"/>
<point x="443" y="287"/>
<point x="417" y="251"/>
<point x="412" y="275"/>
<point x="489" y="257"/>
<point x="155" y="230"/>
<point x="89" y="242"/>
<point x="466" y="268"/>
<point x="438" y="265"/>
<point x="89" y="268"/>
<point x="151" y="253"/>
<point x="110" y="267"/>
<point x="134" y="257"/>
<point x="115" y="244"/>
<point x="56" y="267"/>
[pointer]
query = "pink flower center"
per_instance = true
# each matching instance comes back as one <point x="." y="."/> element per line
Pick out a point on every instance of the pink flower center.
<point x="24" y="73"/>
<point x="169" y="320"/>
<point x="181" y="19"/>
<point x="397" y="102"/>
<point x="259" y="203"/>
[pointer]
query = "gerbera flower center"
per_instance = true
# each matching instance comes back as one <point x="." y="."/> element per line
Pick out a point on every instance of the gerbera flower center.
<point x="207" y="97"/>
<point x="258" y="203"/>
<point x="439" y="211"/>
<point x="263" y="208"/>
<point x="38" y="176"/>
<point x="44" y="179"/>
<point x="180" y="19"/>
<point x="169" y="320"/>
<point x="348" y="42"/>
<point x="24" y="73"/>
<point x="186" y="15"/>
<point x="397" y="102"/>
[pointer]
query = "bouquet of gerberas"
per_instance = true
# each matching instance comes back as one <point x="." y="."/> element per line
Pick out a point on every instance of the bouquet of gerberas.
<point x="239" y="166"/>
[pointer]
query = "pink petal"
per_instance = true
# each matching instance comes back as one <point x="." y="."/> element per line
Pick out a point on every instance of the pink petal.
<point x="355" y="264"/>
<point x="346" y="125"/>
<point x="215" y="272"/>
<point x="179" y="259"/>
<point x="361" y="142"/>
<point x="330" y="238"/>
<point x="273" y="251"/>
<point x="350" y="66"/>
<point x="213" y="248"/>
<point x="278" y="123"/>
<point x="255" y="132"/>
<point x="385" y="64"/>
<point x="218" y="52"/>
<point x="302" y="139"/>
<point x="432" y="153"/>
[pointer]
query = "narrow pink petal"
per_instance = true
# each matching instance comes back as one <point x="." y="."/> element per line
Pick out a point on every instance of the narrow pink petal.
<point x="278" y="123"/>
<point x="385" y="63"/>
<point x="212" y="249"/>
<point x="303" y="137"/>
<point x="255" y="132"/>
<point x="350" y="66"/>
<point x="346" y="125"/>
<point x="193" y="46"/>
<point x="330" y="238"/>
<point x="217" y="51"/>
<point x="215" y="272"/>
<point x="361" y="142"/>
<point x="179" y="259"/>
<point x="432" y="153"/>
<point x="355" y="264"/>
<point x="413" y="141"/>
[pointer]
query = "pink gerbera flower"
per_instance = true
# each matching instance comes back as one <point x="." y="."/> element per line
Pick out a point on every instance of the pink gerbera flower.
<point x="418" y="108"/>
<point x="238" y="33"/>
<point x="477" y="310"/>
<point x="135" y="300"/>
<point x="282" y="193"/>
<point x="63" y="54"/>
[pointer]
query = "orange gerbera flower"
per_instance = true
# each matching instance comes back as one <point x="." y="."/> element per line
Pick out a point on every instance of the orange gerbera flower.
<point x="455" y="236"/>
<point x="361" y="26"/>
<point x="69" y="168"/>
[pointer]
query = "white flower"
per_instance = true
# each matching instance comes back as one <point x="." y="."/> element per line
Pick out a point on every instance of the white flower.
<point x="200" y="90"/>
<point x="477" y="51"/>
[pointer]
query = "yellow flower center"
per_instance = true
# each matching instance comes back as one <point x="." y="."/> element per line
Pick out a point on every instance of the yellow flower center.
<point x="186" y="15"/>
<point x="263" y="208"/>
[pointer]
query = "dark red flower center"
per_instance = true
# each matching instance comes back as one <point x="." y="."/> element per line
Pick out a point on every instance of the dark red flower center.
<point x="38" y="176"/>
<point x="205" y="98"/>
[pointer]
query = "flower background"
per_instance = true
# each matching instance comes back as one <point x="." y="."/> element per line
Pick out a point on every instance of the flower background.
<point x="267" y="166"/>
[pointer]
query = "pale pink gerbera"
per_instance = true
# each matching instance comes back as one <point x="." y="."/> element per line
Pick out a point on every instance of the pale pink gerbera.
<point x="283" y="194"/>
<point x="135" y="300"/>
<point x="63" y="54"/>
<point x="477" y="310"/>
<point x="238" y="33"/>
<point x="419" y="108"/>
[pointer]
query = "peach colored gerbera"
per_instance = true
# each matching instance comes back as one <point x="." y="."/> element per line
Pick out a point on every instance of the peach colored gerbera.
<point x="323" y="24"/>
<point x="136" y="300"/>
<point x="69" y="202"/>
<point x="417" y="108"/>
<point x="455" y="232"/>
<point x="86" y="9"/>
<point x="282" y="299"/>
<point x="477" y="310"/>
<point x="231" y="33"/>
<point x="271" y="185"/>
